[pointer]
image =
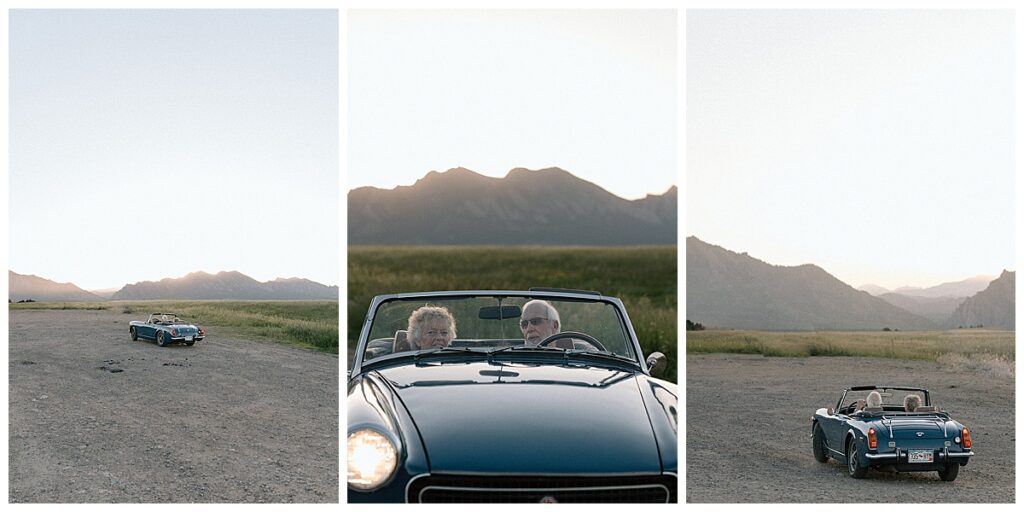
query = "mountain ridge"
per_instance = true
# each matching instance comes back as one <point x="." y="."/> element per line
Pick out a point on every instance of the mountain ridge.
<point x="935" y="303"/>
<point x="726" y="289"/>
<point x="32" y="287"/>
<point x="962" y="288"/>
<point x="548" y="206"/>
<point x="198" y="285"/>
<point x="993" y="307"/>
<point x="226" y="285"/>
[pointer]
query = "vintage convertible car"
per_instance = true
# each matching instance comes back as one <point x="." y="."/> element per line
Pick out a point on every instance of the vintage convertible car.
<point x="889" y="437"/>
<point x="166" y="328"/>
<point x="505" y="410"/>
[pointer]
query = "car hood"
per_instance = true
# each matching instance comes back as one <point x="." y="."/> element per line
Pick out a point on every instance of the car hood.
<point x="517" y="418"/>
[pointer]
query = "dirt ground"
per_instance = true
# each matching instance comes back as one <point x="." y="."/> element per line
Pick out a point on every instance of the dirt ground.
<point x="96" y="417"/>
<point x="748" y="429"/>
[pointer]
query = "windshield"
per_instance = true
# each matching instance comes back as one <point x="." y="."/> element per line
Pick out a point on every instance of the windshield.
<point x="891" y="398"/>
<point x="491" y="323"/>
<point x="164" y="318"/>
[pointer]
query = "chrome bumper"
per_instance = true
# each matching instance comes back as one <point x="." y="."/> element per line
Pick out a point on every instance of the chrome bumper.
<point x="901" y="455"/>
<point x="958" y="455"/>
<point x="882" y="456"/>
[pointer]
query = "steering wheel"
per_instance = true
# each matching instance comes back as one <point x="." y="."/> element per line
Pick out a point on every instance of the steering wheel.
<point x="573" y="334"/>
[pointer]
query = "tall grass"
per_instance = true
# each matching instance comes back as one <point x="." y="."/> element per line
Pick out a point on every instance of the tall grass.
<point x="643" y="277"/>
<point x="308" y="324"/>
<point x="922" y="345"/>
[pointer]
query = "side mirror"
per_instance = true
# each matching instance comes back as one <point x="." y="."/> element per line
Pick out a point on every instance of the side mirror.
<point x="657" y="362"/>
<point x="829" y="411"/>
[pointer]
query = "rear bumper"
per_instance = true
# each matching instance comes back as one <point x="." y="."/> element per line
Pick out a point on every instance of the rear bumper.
<point x="900" y="458"/>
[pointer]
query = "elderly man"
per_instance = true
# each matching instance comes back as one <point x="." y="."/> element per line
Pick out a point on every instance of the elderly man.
<point x="538" y="321"/>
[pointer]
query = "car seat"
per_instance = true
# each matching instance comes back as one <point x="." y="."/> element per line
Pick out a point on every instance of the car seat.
<point x="401" y="343"/>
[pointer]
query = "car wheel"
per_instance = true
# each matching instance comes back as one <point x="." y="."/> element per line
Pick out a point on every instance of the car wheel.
<point x="852" y="464"/>
<point x="818" y="444"/>
<point x="160" y="339"/>
<point x="949" y="474"/>
<point x="135" y="335"/>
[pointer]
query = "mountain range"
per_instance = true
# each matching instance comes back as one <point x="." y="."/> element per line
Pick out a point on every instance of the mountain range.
<point x="964" y="288"/>
<point x="935" y="303"/>
<point x="729" y="290"/>
<point x="29" y="287"/>
<point x="993" y="307"/>
<point x="936" y="309"/>
<point x="194" y="286"/>
<point x="726" y="289"/>
<point x="526" y="207"/>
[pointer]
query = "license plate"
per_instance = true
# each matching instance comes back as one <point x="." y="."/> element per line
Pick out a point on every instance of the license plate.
<point x="188" y="338"/>
<point x="920" y="456"/>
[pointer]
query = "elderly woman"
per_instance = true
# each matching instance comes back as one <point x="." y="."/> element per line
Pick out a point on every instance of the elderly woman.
<point x="874" y="400"/>
<point x="430" y="327"/>
<point x="911" y="402"/>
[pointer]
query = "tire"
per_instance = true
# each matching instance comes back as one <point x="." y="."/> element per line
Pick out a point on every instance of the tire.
<point x="853" y="466"/>
<point x="135" y="335"/>
<point x="160" y="339"/>
<point x="949" y="474"/>
<point x="818" y="444"/>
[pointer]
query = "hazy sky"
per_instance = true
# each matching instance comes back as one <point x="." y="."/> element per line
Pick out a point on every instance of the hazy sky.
<point x="592" y="92"/>
<point x="150" y="144"/>
<point x="876" y="144"/>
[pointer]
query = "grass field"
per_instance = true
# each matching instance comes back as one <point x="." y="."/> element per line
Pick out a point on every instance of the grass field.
<point x="307" y="324"/>
<point x="643" y="277"/>
<point x="961" y="345"/>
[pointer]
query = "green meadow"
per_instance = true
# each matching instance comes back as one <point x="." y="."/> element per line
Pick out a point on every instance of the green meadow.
<point x="959" y="345"/>
<point x="308" y="324"/>
<point x="643" y="277"/>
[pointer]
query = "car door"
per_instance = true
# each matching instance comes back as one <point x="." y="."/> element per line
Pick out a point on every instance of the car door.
<point x="834" y="426"/>
<point x="148" y="330"/>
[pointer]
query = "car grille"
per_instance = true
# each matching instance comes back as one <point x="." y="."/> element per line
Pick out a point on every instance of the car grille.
<point x="542" y="489"/>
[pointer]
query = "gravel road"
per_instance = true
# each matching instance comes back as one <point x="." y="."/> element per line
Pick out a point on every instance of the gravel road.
<point x="748" y="429"/>
<point x="96" y="417"/>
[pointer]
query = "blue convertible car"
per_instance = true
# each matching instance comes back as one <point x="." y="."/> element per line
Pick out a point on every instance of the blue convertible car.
<point x="905" y="433"/>
<point x="166" y="328"/>
<point x="536" y="396"/>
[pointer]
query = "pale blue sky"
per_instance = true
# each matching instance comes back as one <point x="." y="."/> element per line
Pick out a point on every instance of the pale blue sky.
<point x="593" y="92"/>
<point x="878" y="145"/>
<point x="150" y="144"/>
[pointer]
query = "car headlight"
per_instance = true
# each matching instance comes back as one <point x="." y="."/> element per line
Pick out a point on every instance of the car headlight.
<point x="372" y="459"/>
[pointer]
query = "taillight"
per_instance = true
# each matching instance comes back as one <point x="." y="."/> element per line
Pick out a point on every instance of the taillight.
<point x="966" y="437"/>
<point x="201" y="331"/>
<point x="872" y="439"/>
<point x="174" y="332"/>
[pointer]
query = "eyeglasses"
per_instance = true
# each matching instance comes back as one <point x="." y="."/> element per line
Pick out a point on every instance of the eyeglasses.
<point x="533" y="321"/>
<point x="432" y="334"/>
